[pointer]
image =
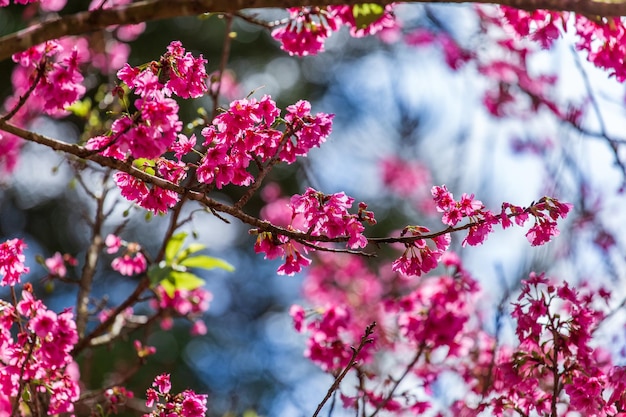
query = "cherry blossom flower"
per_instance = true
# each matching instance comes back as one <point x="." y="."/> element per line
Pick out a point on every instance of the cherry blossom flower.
<point x="184" y="404"/>
<point x="12" y="261"/>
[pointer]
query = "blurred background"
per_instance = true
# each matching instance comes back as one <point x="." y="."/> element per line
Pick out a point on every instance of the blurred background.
<point x="393" y="102"/>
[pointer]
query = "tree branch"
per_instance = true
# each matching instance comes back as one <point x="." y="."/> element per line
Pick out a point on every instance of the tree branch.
<point x="147" y="10"/>
<point x="212" y="204"/>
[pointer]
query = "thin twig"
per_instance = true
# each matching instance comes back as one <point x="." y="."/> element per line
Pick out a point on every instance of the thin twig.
<point x="596" y="108"/>
<point x="41" y="69"/>
<point x="228" y="40"/>
<point x="355" y="352"/>
<point x="91" y="263"/>
<point x="397" y="382"/>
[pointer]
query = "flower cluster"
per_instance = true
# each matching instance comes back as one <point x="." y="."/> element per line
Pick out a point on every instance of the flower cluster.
<point x="155" y="126"/>
<point x="57" y="264"/>
<point x="348" y="15"/>
<point x="38" y="360"/>
<point x="436" y="312"/>
<point x="190" y="304"/>
<point x="306" y="31"/>
<point x="329" y="342"/>
<point x="245" y="132"/>
<point x="555" y="324"/>
<point x="418" y="257"/>
<point x="545" y="223"/>
<point x="48" y="5"/>
<point x="540" y="25"/>
<point x="404" y="178"/>
<point x="430" y="329"/>
<point x="184" y="404"/>
<point x="316" y="214"/>
<point x="308" y="27"/>
<point x="177" y="72"/>
<point x="603" y="39"/>
<point x="116" y="397"/>
<point x="455" y="211"/>
<point x="12" y="261"/>
<point x="152" y="197"/>
<point x="55" y="72"/>
<point x="132" y="261"/>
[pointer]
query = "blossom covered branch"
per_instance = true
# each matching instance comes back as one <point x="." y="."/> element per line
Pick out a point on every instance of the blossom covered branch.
<point x="89" y="21"/>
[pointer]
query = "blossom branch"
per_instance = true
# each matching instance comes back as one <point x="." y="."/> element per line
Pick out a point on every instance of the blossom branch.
<point x="41" y="69"/>
<point x="147" y="10"/>
<point x="355" y="352"/>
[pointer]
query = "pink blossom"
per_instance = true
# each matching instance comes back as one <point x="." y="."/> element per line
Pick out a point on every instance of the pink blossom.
<point x="43" y="323"/>
<point x="404" y="178"/>
<point x="113" y="243"/>
<point x="345" y="15"/>
<point x="162" y="383"/>
<point x="151" y="397"/>
<point x="246" y="132"/>
<point x="185" y="404"/>
<point x="297" y="314"/>
<point x="193" y="405"/>
<point x="294" y="261"/>
<point x="10" y="147"/>
<point x="61" y="81"/>
<point x="306" y="31"/>
<point x="198" y="328"/>
<point x="56" y="265"/>
<point x="12" y="261"/>
<point x="130" y="265"/>
<point x="187" y="74"/>
<point x="419" y="258"/>
<point x="183" y="145"/>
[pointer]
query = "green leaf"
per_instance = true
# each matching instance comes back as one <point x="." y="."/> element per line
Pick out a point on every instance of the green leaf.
<point x="207" y="262"/>
<point x="146" y="165"/>
<point x="169" y="288"/>
<point x="159" y="273"/>
<point x="192" y="248"/>
<point x="367" y="13"/>
<point x="80" y="108"/>
<point x="173" y="246"/>
<point x="186" y="280"/>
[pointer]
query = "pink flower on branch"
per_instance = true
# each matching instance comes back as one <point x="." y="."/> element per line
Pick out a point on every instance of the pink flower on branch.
<point x="308" y="27"/>
<point x="52" y="74"/>
<point x="306" y="31"/>
<point x="418" y="257"/>
<point x="315" y="214"/>
<point x="40" y="354"/>
<point x="247" y="133"/>
<point x="132" y="261"/>
<point x="165" y="403"/>
<point x="12" y="261"/>
<point x="151" y="197"/>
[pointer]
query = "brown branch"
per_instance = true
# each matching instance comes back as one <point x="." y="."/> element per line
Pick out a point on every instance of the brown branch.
<point x="89" y="269"/>
<point x="41" y="69"/>
<point x="147" y="10"/>
<point x="355" y="352"/>
<point x="143" y="285"/>
<point x="214" y="205"/>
